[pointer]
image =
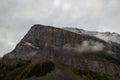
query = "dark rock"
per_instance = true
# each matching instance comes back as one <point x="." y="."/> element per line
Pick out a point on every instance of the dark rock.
<point x="69" y="48"/>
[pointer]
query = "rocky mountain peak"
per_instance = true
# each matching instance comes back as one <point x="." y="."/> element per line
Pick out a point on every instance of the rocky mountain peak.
<point x="80" y="50"/>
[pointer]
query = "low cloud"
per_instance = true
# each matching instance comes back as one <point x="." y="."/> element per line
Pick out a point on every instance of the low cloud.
<point x="90" y="46"/>
<point x="86" y="46"/>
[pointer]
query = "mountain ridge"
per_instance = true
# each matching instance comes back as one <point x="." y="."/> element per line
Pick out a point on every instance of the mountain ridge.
<point x="107" y="36"/>
<point x="52" y="31"/>
<point x="81" y="53"/>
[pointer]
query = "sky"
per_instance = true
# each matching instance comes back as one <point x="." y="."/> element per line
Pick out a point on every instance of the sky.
<point x="17" y="17"/>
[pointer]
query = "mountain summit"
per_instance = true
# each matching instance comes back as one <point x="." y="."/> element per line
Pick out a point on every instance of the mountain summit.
<point x="80" y="53"/>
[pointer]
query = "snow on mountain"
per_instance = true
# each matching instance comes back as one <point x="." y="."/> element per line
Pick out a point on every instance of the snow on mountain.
<point x="107" y="36"/>
<point x="30" y="44"/>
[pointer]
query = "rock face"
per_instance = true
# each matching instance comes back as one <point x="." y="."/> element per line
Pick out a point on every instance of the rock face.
<point x="82" y="51"/>
<point x="45" y="38"/>
<point x="107" y="36"/>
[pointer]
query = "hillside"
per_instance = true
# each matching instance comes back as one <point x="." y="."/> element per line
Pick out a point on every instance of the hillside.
<point x="51" y="53"/>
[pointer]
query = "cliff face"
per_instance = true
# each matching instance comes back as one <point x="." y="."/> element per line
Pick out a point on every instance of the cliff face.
<point x="40" y="37"/>
<point x="82" y="51"/>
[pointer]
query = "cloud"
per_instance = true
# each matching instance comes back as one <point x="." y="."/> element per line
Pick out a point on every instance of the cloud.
<point x="85" y="46"/>
<point x="90" y="46"/>
<point x="18" y="16"/>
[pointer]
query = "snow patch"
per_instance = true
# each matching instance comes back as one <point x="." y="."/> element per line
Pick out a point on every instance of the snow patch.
<point x="31" y="45"/>
<point x="110" y="37"/>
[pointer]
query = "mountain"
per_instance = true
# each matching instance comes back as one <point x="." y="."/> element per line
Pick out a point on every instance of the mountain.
<point x="51" y="53"/>
<point x="107" y="36"/>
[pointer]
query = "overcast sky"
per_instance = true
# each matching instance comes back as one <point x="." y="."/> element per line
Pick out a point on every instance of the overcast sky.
<point x="17" y="16"/>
